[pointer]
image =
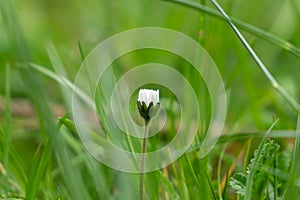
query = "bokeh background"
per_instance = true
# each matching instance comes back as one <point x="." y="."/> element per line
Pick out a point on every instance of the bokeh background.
<point x="48" y="34"/>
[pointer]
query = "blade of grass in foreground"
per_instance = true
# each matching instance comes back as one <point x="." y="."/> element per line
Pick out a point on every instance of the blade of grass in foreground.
<point x="261" y="65"/>
<point x="243" y="25"/>
<point x="211" y="187"/>
<point x="37" y="170"/>
<point x="292" y="190"/>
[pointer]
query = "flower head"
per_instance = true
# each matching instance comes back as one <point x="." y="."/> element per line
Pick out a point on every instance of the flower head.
<point x="148" y="96"/>
<point x="148" y="103"/>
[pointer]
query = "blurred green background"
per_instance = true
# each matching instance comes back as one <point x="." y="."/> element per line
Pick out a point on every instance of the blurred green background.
<point x="30" y="29"/>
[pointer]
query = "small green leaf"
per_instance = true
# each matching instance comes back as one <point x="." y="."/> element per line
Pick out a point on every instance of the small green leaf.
<point x="258" y="169"/>
<point x="238" y="182"/>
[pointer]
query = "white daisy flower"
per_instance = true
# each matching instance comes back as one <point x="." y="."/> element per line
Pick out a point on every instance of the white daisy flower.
<point x="148" y="103"/>
<point x="148" y="96"/>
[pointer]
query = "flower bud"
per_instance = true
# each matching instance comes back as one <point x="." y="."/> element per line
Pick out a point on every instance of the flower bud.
<point x="148" y="103"/>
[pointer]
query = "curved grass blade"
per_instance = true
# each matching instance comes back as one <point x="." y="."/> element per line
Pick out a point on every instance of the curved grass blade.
<point x="243" y="25"/>
<point x="63" y="81"/>
<point x="260" y="64"/>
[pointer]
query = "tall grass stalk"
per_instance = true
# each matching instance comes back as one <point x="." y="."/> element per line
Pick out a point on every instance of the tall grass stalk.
<point x="243" y="25"/>
<point x="261" y="65"/>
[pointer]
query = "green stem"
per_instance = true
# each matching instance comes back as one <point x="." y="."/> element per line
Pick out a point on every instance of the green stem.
<point x="146" y="130"/>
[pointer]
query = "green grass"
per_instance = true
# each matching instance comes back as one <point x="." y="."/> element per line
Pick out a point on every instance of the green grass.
<point x="42" y="45"/>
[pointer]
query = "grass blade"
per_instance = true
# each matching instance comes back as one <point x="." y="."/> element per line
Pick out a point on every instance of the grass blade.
<point x="64" y="82"/>
<point x="243" y="25"/>
<point x="211" y="186"/>
<point x="292" y="191"/>
<point x="38" y="169"/>
<point x="262" y="67"/>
